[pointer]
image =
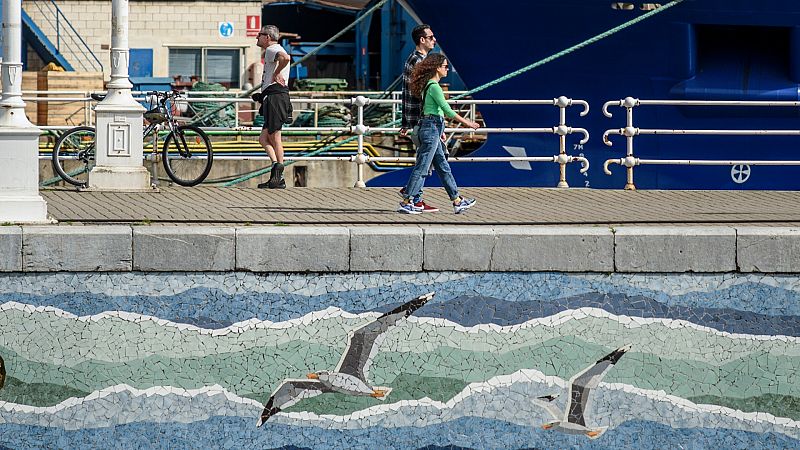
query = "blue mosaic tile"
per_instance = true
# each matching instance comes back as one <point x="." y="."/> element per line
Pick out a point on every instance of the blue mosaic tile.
<point x="192" y="361"/>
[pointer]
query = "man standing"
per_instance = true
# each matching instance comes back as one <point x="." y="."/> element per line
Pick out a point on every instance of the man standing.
<point x="275" y="104"/>
<point x="424" y="41"/>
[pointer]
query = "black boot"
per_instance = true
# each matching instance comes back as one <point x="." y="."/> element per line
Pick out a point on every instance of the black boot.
<point x="276" y="180"/>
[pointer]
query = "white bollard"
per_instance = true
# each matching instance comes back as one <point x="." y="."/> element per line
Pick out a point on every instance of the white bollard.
<point x="20" y="201"/>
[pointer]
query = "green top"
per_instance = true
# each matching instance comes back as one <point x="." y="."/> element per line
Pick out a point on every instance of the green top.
<point x="434" y="101"/>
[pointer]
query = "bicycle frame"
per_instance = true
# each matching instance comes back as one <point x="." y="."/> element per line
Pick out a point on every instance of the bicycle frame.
<point x="168" y="122"/>
<point x="156" y="126"/>
<point x="159" y="118"/>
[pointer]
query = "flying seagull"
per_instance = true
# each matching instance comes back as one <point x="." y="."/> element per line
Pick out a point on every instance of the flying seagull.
<point x="572" y="420"/>
<point x="350" y="376"/>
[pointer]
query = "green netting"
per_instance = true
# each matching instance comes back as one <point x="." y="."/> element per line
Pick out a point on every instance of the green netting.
<point x="320" y="84"/>
<point x="328" y="116"/>
<point x="225" y="117"/>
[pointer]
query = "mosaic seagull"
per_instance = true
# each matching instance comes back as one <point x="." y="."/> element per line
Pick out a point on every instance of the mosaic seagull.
<point x="350" y="376"/>
<point x="573" y="421"/>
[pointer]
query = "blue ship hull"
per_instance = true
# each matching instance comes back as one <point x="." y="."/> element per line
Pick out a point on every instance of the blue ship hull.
<point x="697" y="50"/>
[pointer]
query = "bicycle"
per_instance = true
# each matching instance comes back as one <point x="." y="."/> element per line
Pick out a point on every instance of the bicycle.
<point x="186" y="164"/>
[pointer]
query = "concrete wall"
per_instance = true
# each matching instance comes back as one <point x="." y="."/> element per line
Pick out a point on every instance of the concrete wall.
<point x="409" y="249"/>
<point x="187" y="337"/>
<point x="158" y="25"/>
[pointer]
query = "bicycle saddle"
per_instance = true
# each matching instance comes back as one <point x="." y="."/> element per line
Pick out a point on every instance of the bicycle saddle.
<point x="98" y="97"/>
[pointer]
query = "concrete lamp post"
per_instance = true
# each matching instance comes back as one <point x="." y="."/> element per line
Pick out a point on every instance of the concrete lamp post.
<point x="119" y="120"/>
<point x="20" y="201"/>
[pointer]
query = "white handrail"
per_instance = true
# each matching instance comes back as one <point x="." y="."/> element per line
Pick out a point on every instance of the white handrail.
<point x="360" y="129"/>
<point x="630" y="132"/>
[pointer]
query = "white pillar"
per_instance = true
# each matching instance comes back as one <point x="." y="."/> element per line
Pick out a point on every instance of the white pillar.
<point x="20" y="201"/>
<point x="119" y="120"/>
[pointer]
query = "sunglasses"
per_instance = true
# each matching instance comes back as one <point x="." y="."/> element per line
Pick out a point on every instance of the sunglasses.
<point x="445" y="67"/>
<point x="429" y="37"/>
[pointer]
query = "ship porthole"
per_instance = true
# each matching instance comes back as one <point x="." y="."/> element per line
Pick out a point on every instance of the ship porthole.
<point x="740" y="173"/>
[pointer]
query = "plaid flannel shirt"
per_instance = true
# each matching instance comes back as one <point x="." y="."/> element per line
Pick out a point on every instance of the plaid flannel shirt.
<point x="412" y="106"/>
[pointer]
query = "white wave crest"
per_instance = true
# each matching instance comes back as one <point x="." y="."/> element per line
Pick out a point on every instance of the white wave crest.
<point x="629" y="322"/>
<point x="505" y="397"/>
<point x="122" y="404"/>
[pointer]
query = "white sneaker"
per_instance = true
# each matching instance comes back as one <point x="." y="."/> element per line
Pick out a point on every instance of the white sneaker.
<point x="407" y="208"/>
<point x="463" y="205"/>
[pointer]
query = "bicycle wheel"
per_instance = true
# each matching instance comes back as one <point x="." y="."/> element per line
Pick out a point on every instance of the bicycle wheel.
<point x="74" y="155"/>
<point x="187" y="155"/>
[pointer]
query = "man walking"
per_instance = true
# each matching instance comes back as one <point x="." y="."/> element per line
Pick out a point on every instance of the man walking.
<point x="275" y="104"/>
<point x="424" y="42"/>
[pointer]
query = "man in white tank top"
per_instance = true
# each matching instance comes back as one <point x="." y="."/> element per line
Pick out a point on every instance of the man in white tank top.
<point x="276" y="106"/>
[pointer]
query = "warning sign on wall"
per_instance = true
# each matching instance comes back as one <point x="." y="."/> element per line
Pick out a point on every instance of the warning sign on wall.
<point x="253" y="25"/>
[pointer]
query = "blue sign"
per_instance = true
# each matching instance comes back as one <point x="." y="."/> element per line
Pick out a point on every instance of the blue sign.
<point x="225" y="29"/>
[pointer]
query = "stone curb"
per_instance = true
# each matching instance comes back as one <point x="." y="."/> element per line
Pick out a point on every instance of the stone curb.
<point x="560" y="249"/>
<point x="385" y="249"/>
<point x="102" y="248"/>
<point x="628" y="249"/>
<point x="184" y="249"/>
<point x="293" y="249"/>
<point x="680" y="249"/>
<point x="768" y="250"/>
<point x="11" y="249"/>
<point x="458" y="248"/>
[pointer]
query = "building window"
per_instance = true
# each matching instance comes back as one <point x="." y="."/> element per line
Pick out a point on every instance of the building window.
<point x="211" y="65"/>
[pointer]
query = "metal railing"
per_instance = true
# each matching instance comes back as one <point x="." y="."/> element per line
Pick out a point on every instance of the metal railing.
<point x="630" y="132"/>
<point x="359" y="129"/>
<point x="62" y="29"/>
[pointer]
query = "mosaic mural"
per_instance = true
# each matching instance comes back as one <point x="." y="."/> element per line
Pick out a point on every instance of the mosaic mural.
<point x="399" y="361"/>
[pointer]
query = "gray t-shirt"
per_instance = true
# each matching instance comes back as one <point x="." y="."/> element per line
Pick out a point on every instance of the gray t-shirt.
<point x="270" y="54"/>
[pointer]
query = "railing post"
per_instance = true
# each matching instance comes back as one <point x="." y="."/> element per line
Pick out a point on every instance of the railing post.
<point x="562" y="103"/>
<point x="630" y="132"/>
<point x="360" y="129"/>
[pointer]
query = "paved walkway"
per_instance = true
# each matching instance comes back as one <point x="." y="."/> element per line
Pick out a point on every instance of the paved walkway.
<point x="375" y="206"/>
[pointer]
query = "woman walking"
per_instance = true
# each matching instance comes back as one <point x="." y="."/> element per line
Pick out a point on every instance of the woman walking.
<point x="425" y="84"/>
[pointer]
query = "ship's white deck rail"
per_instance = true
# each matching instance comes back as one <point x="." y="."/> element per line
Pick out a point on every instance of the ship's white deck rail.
<point x="630" y="131"/>
<point x="561" y="129"/>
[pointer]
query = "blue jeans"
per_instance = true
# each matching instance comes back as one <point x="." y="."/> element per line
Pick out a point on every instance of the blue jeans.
<point x="431" y="151"/>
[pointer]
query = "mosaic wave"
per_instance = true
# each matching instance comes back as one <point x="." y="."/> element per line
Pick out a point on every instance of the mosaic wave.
<point x="456" y="435"/>
<point x="505" y="398"/>
<point x="253" y="357"/>
<point x="167" y="360"/>
<point x="220" y="300"/>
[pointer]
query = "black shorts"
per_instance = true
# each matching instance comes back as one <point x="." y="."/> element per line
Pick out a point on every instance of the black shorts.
<point x="276" y="108"/>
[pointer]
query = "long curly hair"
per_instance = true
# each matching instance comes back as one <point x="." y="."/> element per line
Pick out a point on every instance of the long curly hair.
<point x="424" y="71"/>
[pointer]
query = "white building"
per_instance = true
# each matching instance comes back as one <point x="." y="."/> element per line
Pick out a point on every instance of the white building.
<point x="211" y="41"/>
